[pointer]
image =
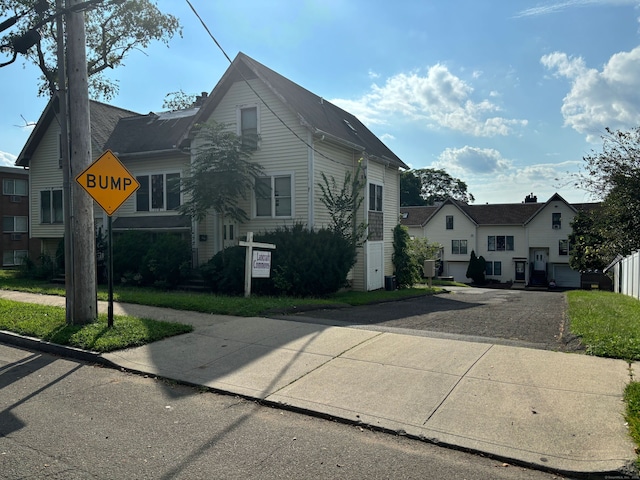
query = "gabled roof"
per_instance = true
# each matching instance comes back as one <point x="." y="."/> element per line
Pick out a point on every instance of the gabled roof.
<point x="103" y="120"/>
<point x="314" y="112"/>
<point x="151" y="133"/>
<point x="517" y="214"/>
<point x="416" y="216"/>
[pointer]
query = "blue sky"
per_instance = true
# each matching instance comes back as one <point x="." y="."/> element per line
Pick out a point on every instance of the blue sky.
<point x="508" y="96"/>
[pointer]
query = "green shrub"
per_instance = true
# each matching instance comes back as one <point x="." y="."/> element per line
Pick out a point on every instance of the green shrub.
<point x="304" y="263"/>
<point x="129" y="250"/>
<point x="476" y="269"/>
<point x="44" y="268"/>
<point x="167" y="262"/>
<point x="307" y="262"/>
<point x="224" y="272"/>
<point x="405" y="265"/>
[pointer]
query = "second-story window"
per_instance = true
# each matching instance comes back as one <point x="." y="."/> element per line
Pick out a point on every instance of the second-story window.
<point x="249" y="127"/>
<point x="556" y="221"/>
<point x="449" y="222"/>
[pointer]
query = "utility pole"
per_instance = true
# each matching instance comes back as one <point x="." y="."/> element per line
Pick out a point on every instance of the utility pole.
<point x="66" y="167"/>
<point x="83" y="248"/>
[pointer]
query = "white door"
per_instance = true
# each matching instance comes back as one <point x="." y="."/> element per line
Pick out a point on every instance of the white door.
<point x="230" y="232"/>
<point x="539" y="260"/>
<point x="375" y="265"/>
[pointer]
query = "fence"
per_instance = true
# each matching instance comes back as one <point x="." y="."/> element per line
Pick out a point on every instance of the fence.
<point x="627" y="276"/>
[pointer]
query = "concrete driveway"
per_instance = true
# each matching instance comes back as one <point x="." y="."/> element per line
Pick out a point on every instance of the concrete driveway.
<point x="514" y="317"/>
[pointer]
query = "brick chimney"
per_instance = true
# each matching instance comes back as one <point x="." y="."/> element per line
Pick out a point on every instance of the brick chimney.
<point x="531" y="198"/>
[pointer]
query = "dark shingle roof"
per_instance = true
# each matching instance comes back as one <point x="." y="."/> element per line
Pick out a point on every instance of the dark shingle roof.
<point x="151" y="133"/>
<point x="416" y="216"/>
<point x="317" y="114"/>
<point x="103" y="120"/>
<point x="488" y="214"/>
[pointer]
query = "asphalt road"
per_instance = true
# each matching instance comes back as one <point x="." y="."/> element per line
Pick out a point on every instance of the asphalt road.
<point x="527" y="318"/>
<point x="61" y="419"/>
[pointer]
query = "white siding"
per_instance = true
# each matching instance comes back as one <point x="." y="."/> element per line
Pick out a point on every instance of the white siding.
<point x="505" y="257"/>
<point x="45" y="174"/>
<point x="463" y="229"/>
<point x="279" y="152"/>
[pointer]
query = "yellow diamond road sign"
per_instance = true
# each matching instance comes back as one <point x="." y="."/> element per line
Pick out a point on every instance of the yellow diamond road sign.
<point x="108" y="182"/>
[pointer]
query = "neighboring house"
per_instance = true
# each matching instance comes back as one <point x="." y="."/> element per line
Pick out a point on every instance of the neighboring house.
<point x="523" y="243"/>
<point x="42" y="156"/>
<point x="296" y="136"/>
<point x="14" y="209"/>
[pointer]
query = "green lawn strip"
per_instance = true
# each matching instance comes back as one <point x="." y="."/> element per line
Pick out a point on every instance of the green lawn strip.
<point x="607" y="323"/>
<point x="48" y="323"/>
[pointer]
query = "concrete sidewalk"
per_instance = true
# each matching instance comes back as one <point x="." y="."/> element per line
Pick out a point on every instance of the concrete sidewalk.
<point x="557" y="411"/>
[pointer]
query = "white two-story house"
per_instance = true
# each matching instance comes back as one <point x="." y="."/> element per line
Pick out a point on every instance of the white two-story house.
<point x="299" y="136"/>
<point x="526" y="243"/>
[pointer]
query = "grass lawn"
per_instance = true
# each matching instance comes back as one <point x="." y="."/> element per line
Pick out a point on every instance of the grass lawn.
<point x="609" y="326"/>
<point x="48" y="323"/>
<point x="608" y="323"/>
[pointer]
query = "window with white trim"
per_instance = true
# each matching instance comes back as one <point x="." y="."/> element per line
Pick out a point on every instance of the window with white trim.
<point x="15" y="186"/>
<point x="556" y="221"/>
<point x="274" y="196"/>
<point x="51" y="206"/>
<point x="248" y="118"/>
<point x="500" y="243"/>
<point x="563" y="247"/>
<point x="15" y="224"/>
<point x="459" y="247"/>
<point x="11" y="258"/>
<point x="493" y="269"/>
<point x="158" y="192"/>
<point x="375" y="197"/>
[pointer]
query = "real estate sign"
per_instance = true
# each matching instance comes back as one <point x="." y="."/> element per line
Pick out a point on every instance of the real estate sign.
<point x="261" y="264"/>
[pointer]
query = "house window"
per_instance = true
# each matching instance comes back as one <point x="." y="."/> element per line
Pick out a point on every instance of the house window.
<point x="14" y="186"/>
<point x="274" y="196"/>
<point x="13" y="257"/>
<point x="51" y="206"/>
<point x="375" y="197"/>
<point x="563" y="247"/>
<point x="459" y="247"/>
<point x="556" y="221"/>
<point x="493" y="269"/>
<point x="248" y="122"/>
<point x="500" y="243"/>
<point x="15" y="224"/>
<point x="449" y="222"/>
<point x="488" y="268"/>
<point x="158" y="192"/>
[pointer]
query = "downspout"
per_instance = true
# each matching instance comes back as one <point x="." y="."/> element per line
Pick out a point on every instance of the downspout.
<point x="311" y="185"/>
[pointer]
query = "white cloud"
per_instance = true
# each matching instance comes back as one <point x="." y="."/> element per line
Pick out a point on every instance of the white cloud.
<point x="556" y="7"/>
<point x="373" y="74"/>
<point x="472" y="160"/>
<point x="7" y="159"/>
<point x="438" y="99"/>
<point x="599" y="99"/>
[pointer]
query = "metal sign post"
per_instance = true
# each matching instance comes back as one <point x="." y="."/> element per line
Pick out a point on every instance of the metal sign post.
<point x="109" y="183"/>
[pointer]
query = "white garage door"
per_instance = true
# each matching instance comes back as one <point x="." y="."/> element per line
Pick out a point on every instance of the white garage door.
<point x="457" y="270"/>
<point x="565" y="276"/>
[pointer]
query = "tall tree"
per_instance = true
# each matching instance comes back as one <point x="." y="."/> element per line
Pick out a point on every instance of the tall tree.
<point x="222" y="174"/>
<point x="614" y="176"/>
<point x="589" y="248"/>
<point x="114" y="28"/>
<point x="435" y="185"/>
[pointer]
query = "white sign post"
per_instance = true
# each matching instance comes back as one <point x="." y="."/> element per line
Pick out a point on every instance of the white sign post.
<point x="249" y="264"/>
